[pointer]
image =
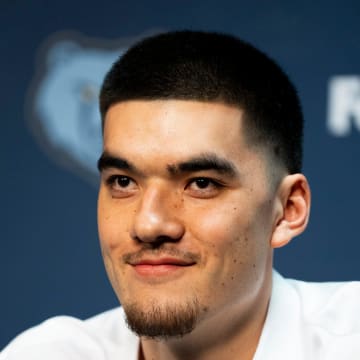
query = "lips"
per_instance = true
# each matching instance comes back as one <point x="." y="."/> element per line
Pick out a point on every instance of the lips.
<point x="162" y="261"/>
<point x="160" y="266"/>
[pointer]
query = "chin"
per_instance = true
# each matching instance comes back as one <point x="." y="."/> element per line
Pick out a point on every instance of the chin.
<point x="162" y="320"/>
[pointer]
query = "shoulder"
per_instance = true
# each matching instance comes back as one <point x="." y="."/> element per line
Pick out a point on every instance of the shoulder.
<point x="101" y="337"/>
<point x="325" y="317"/>
<point x="333" y="306"/>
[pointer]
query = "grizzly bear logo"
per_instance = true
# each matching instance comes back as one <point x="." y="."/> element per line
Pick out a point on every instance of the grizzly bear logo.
<point x="62" y="105"/>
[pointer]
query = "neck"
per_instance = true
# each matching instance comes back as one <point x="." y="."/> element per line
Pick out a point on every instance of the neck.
<point x="233" y="332"/>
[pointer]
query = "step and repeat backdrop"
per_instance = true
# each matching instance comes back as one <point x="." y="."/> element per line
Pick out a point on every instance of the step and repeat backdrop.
<point x="53" y="58"/>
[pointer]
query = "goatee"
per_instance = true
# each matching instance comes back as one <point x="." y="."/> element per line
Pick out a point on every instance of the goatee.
<point x="162" y="321"/>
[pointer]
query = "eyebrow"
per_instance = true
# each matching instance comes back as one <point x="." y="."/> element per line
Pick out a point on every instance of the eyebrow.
<point x="107" y="160"/>
<point x="203" y="162"/>
<point x="206" y="161"/>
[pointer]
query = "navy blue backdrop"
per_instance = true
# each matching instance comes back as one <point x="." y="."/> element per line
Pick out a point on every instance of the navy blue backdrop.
<point x="52" y="59"/>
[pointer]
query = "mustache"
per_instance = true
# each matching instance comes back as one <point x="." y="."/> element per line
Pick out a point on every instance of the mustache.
<point x="161" y="252"/>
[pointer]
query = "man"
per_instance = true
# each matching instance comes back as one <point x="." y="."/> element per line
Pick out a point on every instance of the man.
<point x="200" y="181"/>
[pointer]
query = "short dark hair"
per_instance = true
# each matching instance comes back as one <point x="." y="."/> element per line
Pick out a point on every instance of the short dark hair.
<point x="213" y="67"/>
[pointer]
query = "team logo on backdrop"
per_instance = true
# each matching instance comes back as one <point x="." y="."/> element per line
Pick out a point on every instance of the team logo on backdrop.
<point x="63" y="99"/>
<point x="343" y="105"/>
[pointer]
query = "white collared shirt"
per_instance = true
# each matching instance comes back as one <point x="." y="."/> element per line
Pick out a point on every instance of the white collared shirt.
<point x="305" y="321"/>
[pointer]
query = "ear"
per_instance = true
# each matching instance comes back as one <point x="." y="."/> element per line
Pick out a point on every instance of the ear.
<point x="294" y="200"/>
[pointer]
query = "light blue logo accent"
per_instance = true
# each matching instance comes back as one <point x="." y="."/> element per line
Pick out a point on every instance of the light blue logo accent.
<point x="64" y="101"/>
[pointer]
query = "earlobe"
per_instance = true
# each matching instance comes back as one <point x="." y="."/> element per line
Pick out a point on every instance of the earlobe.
<point x="294" y="199"/>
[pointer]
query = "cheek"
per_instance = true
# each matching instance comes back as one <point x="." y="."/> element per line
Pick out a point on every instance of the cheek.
<point x="223" y="235"/>
<point x="230" y="253"/>
<point x="234" y="237"/>
<point x="221" y="225"/>
<point x="112" y="225"/>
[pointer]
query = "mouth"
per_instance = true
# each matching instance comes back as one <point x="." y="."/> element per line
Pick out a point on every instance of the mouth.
<point x="160" y="266"/>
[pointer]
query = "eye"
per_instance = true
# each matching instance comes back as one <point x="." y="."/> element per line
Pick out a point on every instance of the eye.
<point x="121" y="186"/>
<point x="203" y="187"/>
<point x="121" y="181"/>
<point x="202" y="183"/>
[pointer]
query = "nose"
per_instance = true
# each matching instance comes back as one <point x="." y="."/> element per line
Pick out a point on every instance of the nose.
<point x="156" y="218"/>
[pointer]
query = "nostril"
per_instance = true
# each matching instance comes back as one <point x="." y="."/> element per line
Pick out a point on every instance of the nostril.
<point x="159" y="232"/>
<point x="157" y="243"/>
<point x="157" y="238"/>
<point x="165" y="239"/>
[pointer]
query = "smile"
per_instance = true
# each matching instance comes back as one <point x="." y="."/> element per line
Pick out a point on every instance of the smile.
<point x="160" y="267"/>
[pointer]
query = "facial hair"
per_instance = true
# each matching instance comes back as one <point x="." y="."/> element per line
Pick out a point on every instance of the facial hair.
<point x="162" y="321"/>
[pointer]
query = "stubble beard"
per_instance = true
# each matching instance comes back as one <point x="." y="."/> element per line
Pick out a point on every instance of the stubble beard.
<point x="162" y="321"/>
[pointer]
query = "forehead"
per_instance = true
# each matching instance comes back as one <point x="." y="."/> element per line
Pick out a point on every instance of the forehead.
<point x="163" y="132"/>
<point x="154" y="135"/>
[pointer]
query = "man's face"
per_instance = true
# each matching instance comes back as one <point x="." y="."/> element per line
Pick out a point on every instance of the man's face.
<point x="186" y="212"/>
